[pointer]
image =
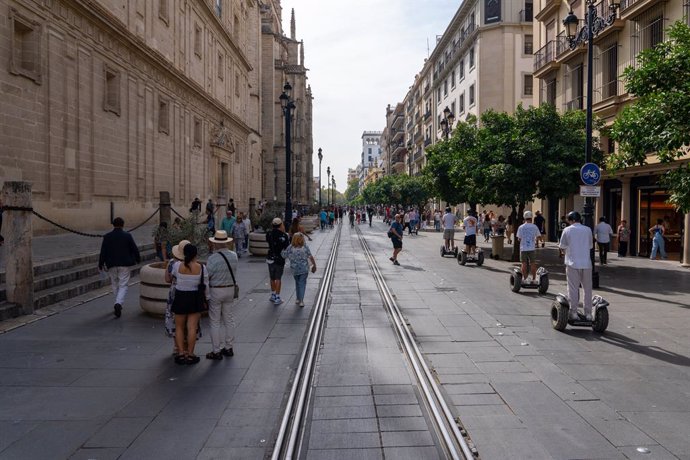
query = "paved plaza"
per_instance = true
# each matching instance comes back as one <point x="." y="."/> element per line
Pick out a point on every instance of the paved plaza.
<point x="90" y="386"/>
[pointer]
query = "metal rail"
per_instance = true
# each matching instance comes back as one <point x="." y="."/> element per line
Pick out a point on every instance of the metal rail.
<point x="287" y="445"/>
<point x="453" y="442"/>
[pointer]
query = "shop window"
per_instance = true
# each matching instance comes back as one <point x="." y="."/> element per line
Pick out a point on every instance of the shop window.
<point x="197" y="132"/>
<point x="111" y="90"/>
<point x="163" y="115"/>
<point x="26" y="47"/>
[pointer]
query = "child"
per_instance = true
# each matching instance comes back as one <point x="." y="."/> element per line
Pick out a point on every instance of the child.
<point x="299" y="255"/>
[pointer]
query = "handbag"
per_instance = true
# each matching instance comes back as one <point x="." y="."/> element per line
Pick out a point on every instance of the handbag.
<point x="202" y="302"/>
<point x="234" y="282"/>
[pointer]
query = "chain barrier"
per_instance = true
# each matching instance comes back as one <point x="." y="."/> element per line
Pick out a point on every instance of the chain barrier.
<point x="67" y="229"/>
<point x="177" y="213"/>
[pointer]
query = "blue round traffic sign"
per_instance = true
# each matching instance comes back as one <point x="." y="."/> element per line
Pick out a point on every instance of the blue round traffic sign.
<point x="590" y="174"/>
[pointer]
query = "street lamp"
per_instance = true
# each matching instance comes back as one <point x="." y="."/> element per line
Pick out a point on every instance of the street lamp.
<point x="320" y="158"/>
<point x="447" y="122"/>
<point x="593" y="26"/>
<point x="328" y="194"/>
<point x="288" y="106"/>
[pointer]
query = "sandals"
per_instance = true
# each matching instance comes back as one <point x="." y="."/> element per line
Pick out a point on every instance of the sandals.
<point x="192" y="359"/>
<point x="217" y="356"/>
<point x="180" y="359"/>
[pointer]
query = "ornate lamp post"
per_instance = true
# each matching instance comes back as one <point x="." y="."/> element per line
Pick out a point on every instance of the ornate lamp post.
<point x="447" y="122"/>
<point x="288" y="107"/>
<point x="594" y="24"/>
<point x="328" y="192"/>
<point x="320" y="158"/>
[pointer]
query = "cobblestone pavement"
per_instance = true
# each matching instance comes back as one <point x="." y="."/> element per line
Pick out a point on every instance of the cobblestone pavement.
<point x="524" y="390"/>
<point x="90" y="386"/>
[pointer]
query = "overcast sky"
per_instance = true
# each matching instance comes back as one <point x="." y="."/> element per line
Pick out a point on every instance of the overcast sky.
<point x="361" y="56"/>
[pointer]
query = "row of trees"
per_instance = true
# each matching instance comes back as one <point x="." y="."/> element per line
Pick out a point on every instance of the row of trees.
<point x="399" y="189"/>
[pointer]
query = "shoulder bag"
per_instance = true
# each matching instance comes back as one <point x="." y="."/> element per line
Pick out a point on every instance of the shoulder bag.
<point x="202" y="302"/>
<point x="234" y="282"/>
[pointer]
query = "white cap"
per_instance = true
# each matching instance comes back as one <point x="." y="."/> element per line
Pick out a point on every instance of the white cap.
<point x="527" y="215"/>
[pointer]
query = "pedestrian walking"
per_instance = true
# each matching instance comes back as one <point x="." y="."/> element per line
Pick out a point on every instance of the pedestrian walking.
<point x="658" y="244"/>
<point x="300" y="257"/>
<point x="296" y="227"/>
<point x="437" y="220"/>
<point x="196" y="205"/>
<point x="623" y="233"/>
<point x="191" y="298"/>
<point x="509" y="228"/>
<point x="228" y="222"/>
<point x="231" y="207"/>
<point x="540" y="222"/>
<point x="118" y="254"/>
<point x="222" y="282"/>
<point x="277" y="240"/>
<point x="323" y="217"/>
<point x="576" y="244"/>
<point x="246" y="221"/>
<point x="395" y="233"/>
<point x="602" y="234"/>
<point x="238" y="233"/>
<point x="486" y="227"/>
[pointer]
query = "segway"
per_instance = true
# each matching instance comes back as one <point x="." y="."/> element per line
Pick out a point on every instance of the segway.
<point x="476" y="258"/>
<point x="452" y="252"/>
<point x="517" y="282"/>
<point x="560" y="314"/>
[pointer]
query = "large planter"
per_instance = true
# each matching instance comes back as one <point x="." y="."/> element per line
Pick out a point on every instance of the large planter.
<point x="257" y="244"/>
<point x="309" y="223"/>
<point x="153" y="292"/>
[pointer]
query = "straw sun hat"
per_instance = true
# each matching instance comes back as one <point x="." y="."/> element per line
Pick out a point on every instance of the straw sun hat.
<point x="178" y="249"/>
<point x="221" y="237"/>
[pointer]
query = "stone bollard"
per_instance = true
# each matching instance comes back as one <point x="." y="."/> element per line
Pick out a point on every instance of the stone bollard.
<point x="686" y="242"/>
<point x="19" y="271"/>
<point x="164" y="205"/>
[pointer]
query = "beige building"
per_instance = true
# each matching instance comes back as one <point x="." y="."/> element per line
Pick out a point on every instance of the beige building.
<point x="633" y="194"/>
<point x="393" y="149"/>
<point x="283" y="61"/>
<point x="482" y="61"/>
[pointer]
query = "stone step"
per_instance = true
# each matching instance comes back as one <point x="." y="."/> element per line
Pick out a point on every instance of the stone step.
<point x="9" y="310"/>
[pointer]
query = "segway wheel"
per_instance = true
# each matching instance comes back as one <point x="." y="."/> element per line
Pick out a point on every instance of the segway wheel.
<point x="601" y="322"/>
<point x="515" y="281"/>
<point x="559" y="316"/>
<point x="443" y="253"/>
<point x="456" y="251"/>
<point x="480" y="259"/>
<point x="462" y="258"/>
<point x="543" y="284"/>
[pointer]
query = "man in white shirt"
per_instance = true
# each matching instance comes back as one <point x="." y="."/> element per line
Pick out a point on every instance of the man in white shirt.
<point x="602" y="233"/>
<point x="470" y="224"/>
<point x="527" y="234"/>
<point x="576" y="242"/>
<point x="449" y="230"/>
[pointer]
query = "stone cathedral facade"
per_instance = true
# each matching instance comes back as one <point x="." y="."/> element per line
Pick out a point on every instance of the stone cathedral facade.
<point x="105" y="103"/>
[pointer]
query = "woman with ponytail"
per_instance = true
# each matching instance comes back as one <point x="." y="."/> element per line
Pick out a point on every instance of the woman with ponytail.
<point x="188" y="303"/>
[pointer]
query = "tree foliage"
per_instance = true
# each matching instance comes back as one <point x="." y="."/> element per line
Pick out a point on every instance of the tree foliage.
<point x="352" y="190"/>
<point x="658" y="121"/>
<point x="399" y="189"/>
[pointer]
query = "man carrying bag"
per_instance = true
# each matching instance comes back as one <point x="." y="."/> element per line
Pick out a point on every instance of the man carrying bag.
<point x="221" y="267"/>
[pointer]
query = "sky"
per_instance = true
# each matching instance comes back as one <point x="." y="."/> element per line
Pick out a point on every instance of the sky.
<point x="362" y="55"/>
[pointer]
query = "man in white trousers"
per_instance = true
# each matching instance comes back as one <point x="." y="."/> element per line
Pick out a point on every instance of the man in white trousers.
<point x="118" y="254"/>
<point x="577" y="242"/>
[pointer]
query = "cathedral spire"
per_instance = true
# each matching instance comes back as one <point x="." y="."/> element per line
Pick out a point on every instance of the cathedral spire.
<point x="292" y="25"/>
<point x="301" y="53"/>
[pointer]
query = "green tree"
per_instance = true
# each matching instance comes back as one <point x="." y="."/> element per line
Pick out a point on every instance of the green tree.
<point x="658" y="121"/>
<point x="352" y="190"/>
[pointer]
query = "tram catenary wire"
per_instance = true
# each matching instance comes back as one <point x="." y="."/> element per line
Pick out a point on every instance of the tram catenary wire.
<point x="453" y="442"/>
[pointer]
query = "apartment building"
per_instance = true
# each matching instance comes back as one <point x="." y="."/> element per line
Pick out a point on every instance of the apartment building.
<point x="633" y="194"/>
<point x="394" y="150"/>
<point x="482" y="61"/>
<point x="371" y="154"/>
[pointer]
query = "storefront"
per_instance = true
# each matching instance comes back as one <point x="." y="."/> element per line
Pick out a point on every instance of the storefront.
<point x="647" y="201"/>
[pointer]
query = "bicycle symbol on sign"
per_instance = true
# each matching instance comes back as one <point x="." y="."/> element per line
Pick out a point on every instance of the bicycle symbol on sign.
<point x="591" y="174"/>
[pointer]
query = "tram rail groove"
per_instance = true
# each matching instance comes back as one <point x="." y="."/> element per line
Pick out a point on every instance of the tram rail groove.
<point x="290" y="434"/>
<point x="449" y="433"/>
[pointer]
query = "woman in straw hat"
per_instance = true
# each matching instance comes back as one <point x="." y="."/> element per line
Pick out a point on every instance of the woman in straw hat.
<point x="178" y="256"/>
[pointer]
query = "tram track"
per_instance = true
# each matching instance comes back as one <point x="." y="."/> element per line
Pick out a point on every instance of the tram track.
<point x="453" y="442"/>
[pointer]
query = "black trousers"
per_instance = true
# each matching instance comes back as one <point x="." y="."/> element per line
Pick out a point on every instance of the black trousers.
<point x="622" y="248"/>
<point x="603" y="251"/>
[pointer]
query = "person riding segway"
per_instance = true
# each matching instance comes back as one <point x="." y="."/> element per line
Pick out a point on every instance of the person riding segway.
<point x="575" y="244"/>
<point x="528" y="276"/>
<point x="471" y="253"/>
<point x="449" y="248"/>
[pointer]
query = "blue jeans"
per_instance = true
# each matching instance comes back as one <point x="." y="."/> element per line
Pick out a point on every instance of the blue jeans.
<point x="658" y="245"/>
<point x="301" y="285"/>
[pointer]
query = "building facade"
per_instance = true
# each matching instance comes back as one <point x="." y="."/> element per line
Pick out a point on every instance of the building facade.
<point x="482" y="61"/>
<point x="394" y="150"/>
<point x="371" y="154"/>
<point x="283" y="61"/>
<point x="633" y="194"/>
<point x="113" y="101"/>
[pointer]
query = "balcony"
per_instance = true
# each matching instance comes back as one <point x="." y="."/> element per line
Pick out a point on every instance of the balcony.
<point x="427" y="87"/>
<point x="578" y="103"/>
<point x="603" y="11"/>
<point x="550" y="7"/>
<point x="545" y="59"/>
<point x="632" y="8"/>
<point x="396" y="119"/>
<point x="416" y="137"/>
<point x="427" y="141"/>
<point x="608" y="97"/>
<point x="399" y="134"/>
<point x="564" y="52"/>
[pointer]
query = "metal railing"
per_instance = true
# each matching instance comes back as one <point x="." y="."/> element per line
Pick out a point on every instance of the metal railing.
<point x="575" y="104"/>
<point x="545" y="55"/>
<point x="607" y="90"/>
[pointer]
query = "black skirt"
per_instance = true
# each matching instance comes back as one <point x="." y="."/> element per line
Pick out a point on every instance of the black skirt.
<point x="186" y="302"/>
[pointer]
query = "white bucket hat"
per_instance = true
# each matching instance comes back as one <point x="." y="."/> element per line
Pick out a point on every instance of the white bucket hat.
<point x="221" y="237"/>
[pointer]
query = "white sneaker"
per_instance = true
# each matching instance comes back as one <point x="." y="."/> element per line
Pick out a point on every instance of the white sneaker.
<point x="273" y="296"/>
<point x="277" y="300"/>
<point x="301" y="303"/>
<point x="296" y="301"/>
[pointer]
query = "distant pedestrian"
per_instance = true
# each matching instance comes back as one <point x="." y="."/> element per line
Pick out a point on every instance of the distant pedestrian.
<point x="210" y="207"/>
<point x="602" y="234"/>
<point x="300" y="257"/>
<point x="190" y="300"/>
<point x="540" y="222"/>
<point x="623" y="233"/>
<point x="222" y="281"/>
<point x="228" y="222"/>
<point x="486" y="227"/>
<point x="395" y="233"/>
<point x="118" y="254"/>
<point x="509" y="228"/>
<point x="296" y="227"/>
<point x="323" y="217"/>
<point x="500" y="226"/>
<point x="437" y="220"/>
<point x="247" y="222"/>
<point x="196" y="205"/>
<point x="658" y="244"/>
<point x="238" y="233"/>
<point x="231" y="206"/>
<point x="277" y="240"/>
